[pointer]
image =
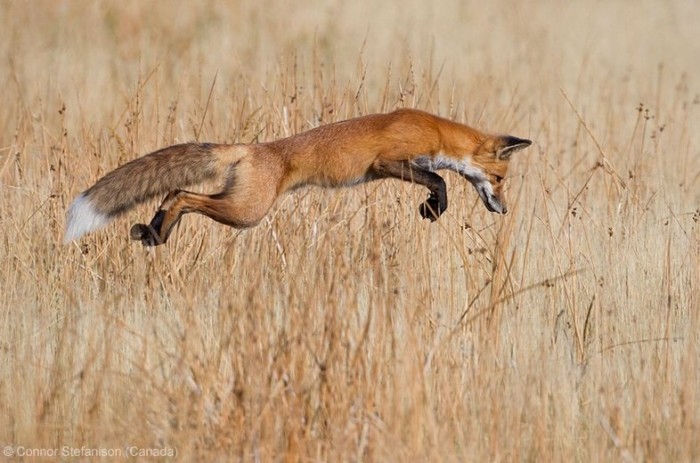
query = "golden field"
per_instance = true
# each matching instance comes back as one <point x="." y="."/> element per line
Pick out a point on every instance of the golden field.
<point x="343" y="327"/>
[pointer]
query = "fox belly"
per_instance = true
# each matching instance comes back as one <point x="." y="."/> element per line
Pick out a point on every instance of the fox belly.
<point x="406" y="144"/>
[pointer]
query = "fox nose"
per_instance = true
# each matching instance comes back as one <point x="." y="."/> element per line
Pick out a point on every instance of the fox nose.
<point x="505" y="210"/>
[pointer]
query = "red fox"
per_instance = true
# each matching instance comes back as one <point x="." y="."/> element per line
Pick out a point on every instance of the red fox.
<point x="406" y="144"/>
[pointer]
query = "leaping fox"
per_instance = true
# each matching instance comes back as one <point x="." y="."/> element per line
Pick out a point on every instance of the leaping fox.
<point x="406" y="144"/>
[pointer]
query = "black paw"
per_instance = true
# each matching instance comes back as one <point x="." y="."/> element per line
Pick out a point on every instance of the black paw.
<point x="431" y="209"/>
<point x="146" y="234"/>
<point x="149" y="235"/>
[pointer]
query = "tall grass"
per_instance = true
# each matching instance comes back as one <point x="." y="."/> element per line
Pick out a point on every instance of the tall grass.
<point x="343" y="327"/>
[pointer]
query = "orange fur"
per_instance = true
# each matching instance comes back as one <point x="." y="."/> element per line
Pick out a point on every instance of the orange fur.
<point x="406" y="144"/>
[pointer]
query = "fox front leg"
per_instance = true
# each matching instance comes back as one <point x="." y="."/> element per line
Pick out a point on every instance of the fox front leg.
<point x="408" y="172"/>
<point x="434" y="206"/>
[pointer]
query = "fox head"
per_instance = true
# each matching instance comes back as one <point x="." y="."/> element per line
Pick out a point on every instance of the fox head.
<point x="488" y="166"/>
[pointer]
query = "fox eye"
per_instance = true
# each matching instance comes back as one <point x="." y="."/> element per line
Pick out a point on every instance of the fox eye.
<point x="499" y="179"/>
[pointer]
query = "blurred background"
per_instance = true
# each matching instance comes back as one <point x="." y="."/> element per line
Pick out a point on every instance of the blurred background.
<point x="343" y="328"/>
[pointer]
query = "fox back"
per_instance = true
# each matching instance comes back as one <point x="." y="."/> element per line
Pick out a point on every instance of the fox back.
<point x="406" y="144"/>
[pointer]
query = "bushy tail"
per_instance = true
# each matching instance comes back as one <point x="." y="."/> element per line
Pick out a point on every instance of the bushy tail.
<point x="155" y="174"/>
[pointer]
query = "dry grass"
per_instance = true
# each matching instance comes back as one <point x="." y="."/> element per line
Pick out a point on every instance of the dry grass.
<point x="343" y="327"/>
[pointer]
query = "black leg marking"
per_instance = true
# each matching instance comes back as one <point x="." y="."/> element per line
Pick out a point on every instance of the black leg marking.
<point x="432" y="208"/>
<point x="402" y="170"/>
<point x="149" y="235"/>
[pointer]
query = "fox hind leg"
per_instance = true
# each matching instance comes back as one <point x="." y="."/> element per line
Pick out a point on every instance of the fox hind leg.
<point x="242" y="205"/>
<point x="152" y="234"/>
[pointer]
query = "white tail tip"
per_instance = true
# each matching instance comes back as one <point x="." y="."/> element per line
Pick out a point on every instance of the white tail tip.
<point x="83" y="218"/>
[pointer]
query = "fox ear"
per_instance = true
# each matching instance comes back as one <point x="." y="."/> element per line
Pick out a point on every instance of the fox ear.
<point x="510" y="145"/>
